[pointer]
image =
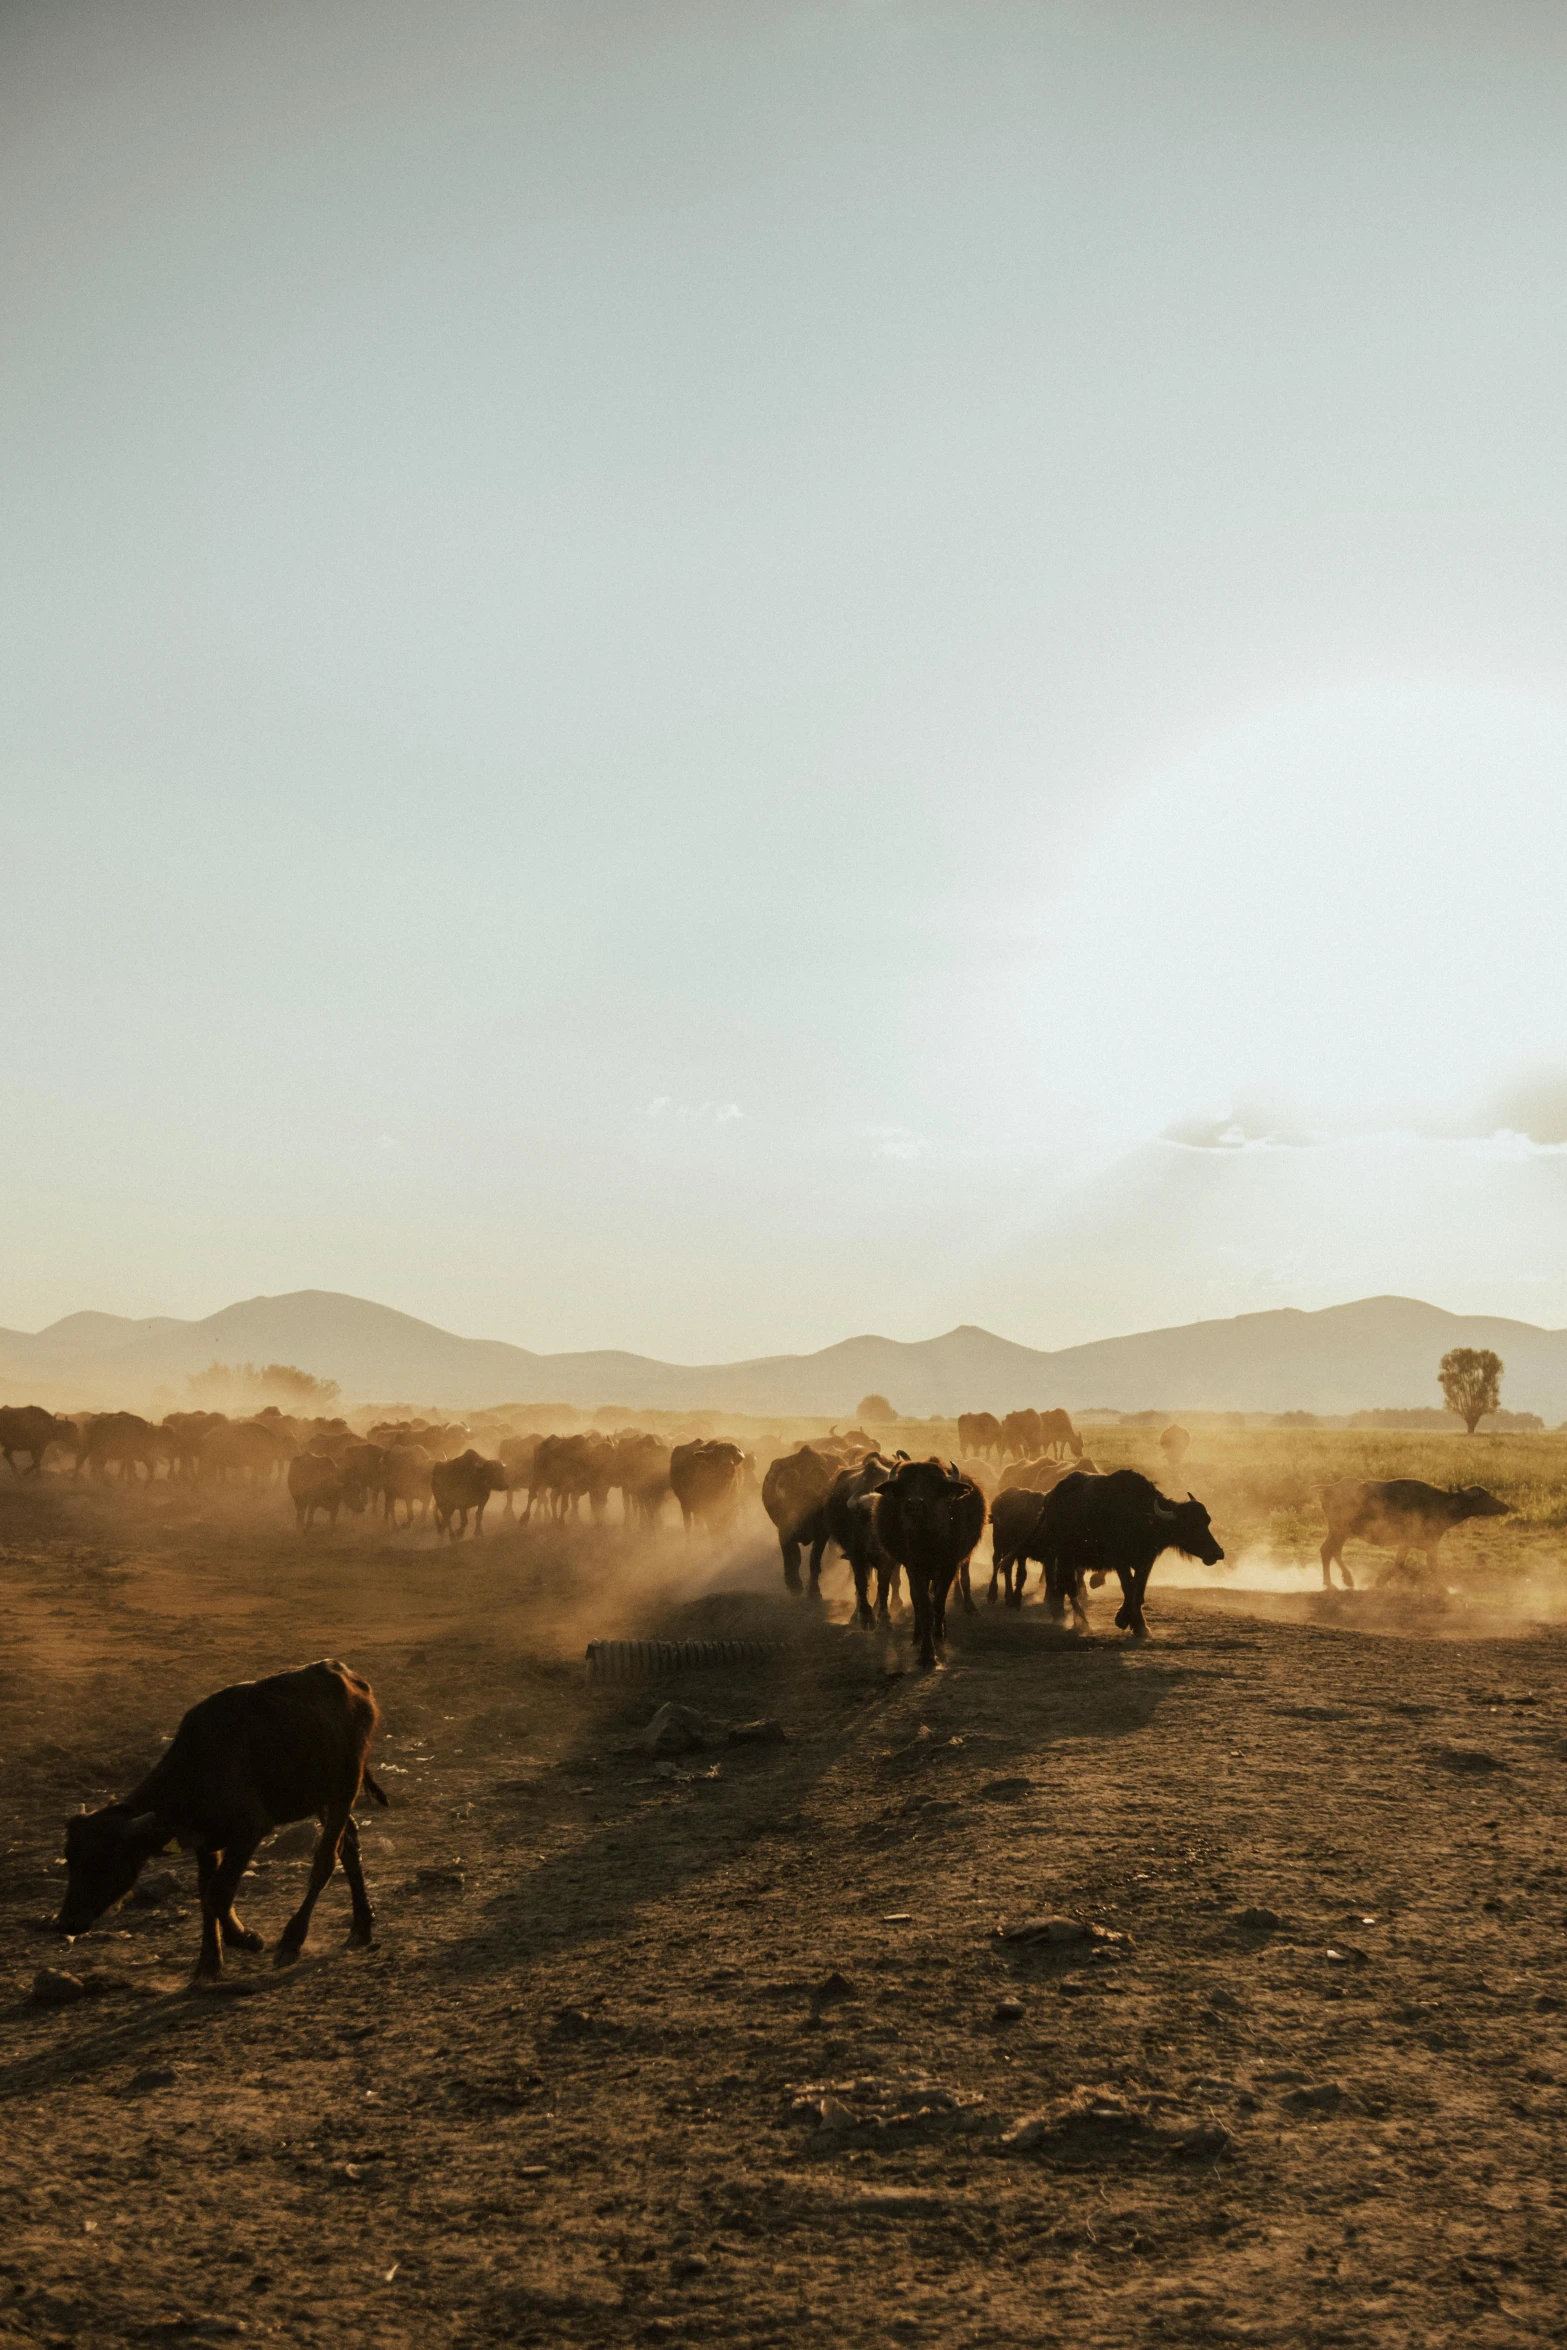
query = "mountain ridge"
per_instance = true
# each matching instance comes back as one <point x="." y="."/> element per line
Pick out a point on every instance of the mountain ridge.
<point x="1369" y="1353"/>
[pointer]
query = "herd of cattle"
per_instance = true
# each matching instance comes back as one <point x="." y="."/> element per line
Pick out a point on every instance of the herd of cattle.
<point x="891" y="1518"/>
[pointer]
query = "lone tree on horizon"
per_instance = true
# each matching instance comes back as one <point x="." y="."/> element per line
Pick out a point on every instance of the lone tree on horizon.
<point x="874" y="1408"/>
<point x="1471" y="1382"/>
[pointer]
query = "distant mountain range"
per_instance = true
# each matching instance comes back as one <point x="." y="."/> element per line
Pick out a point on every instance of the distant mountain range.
<point x="1381" y="1351"/>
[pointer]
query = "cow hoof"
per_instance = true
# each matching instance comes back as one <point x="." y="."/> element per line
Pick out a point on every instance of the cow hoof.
<point x="246" y="1939"/>
<point x="358" y="1941"/>
<point x="792" y="1583"/>
<point x="287" y="1952"/>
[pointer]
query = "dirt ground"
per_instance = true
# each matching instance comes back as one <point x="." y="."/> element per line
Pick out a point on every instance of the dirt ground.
<point x="732" y="2051"/>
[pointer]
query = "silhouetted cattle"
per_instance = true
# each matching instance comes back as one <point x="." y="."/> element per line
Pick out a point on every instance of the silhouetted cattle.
<point x="1400" y="1515"/>
<point x="1057" y="1434"/>
<point x="706" y="1479"/>
<point x="979" y="1432"/>
<point x="849" y="1513"/>
<point x="126" y="1438"/>
<point x="1116" y="1525"/>
<point x="643" y="1468"/>
<point x="794" y="1495"/>
<point x="1020" y="1435"/>
<point x="1014" y="1521"/>
<point x="243" y="1762"/>
<point x="464" y="1484"/>
<point x="406" y="1479"/>
<point x="928" y="1518"/>
<point x="255" y="1451"/>
<point x="1175" y="1444"/>
<point x="1039" y="1476"/>
<point x="27" y="1428"/>
<point x="317" y="1483"/>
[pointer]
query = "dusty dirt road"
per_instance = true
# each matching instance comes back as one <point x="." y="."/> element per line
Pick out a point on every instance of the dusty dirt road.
<point x="576" y="2093"/>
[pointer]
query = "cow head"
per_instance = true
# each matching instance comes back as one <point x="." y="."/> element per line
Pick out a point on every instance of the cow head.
<point x="1185" y="1527"/>
<point x="1480" y="1504"/>
<point x="105" y="1853"/>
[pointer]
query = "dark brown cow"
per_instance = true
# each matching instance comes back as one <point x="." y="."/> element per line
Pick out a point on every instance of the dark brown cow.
<point x="1401" y="1515"/>
<point x="461" y="1485"/>
<point x="706" y="1478"/>
<point x="124" y="1437"/>
<point x="243" y="1762"/>
<point x="1116" y="1525"/>
<point x="794" y="1495"/>
<point x="28" y="1428"/>
<point x="850" y="1517"/>
<point x="317" y="1483"/>
<point x="1057" y="1434"/>
<point x="928" y="1518"/>
<point x="1021" y="1436"/>
<point x="979" y="1432"/>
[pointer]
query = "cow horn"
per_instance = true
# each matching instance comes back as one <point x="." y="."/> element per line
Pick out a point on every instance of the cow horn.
<point x="1165" y="1511"/>
<point x="142" y="1825"/>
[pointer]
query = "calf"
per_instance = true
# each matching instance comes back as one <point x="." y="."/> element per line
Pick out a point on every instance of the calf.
<point x="849" y="1514"/>
<point x="1014" y="1520"/>
<point x="928" y="1517"/>
<point x="1401" y="1515"/>
<point x="1116" y="1525"/>
<point x="243" y="1762"/>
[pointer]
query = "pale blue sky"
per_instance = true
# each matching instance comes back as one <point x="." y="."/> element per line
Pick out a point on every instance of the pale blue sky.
<point x="675" y="675"/>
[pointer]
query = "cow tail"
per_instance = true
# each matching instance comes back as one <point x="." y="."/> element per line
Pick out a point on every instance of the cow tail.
<point x="378" y="1792"/>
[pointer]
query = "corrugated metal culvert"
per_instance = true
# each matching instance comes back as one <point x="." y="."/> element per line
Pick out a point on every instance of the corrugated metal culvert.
<point x="656" y="1660"/>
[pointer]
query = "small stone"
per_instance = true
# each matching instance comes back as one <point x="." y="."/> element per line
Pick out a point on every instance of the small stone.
<point x="1345" y="1955"/>
<point x="689" y="2264"/>
<point x="1008" y="2011"/>
<point x="1259" y="1921"/>
<point x="1006" y="1790"/>
<point x="763" y="1733"/>
<point x="674" y="1729"/>
<point x="1204" y="2141"/>
<point x="572" y="2024"/>
<point x="53" y="1988"/>
<point x="1326" y="2097"/>
<point x="832" y="1989"/>
<point x="665" y="1770"/>
<point x="836" y="2116"/>
<point x="162" y="2076"/>
<point x="1469" y="1761"/>
<point x="439" y="1880"/>
<point x="1048" y="1929"/>
<point x="1223" y="1999"/>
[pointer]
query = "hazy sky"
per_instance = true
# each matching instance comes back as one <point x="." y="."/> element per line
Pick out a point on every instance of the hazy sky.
<point x="705" y="676"/>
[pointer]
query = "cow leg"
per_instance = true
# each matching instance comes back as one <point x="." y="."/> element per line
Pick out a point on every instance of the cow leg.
<point x="362" y="1932"/>
<point x="218" y="1875"/>
<point x="321" y="1867"/>
<point x="789" y="1544"/>
<point x="861" y="1569"/>
<point x="920" y="1601"/>
<point x="1332" y="1553"/>
<point x="940" y="1593"/>
<point x="886" y="1585"/>
<point x="963" y="1586"/>
<point x="818" y="1546"/>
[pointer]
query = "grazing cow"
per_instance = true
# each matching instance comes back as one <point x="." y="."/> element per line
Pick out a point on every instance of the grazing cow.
<point x="316" y="1483"/>
<point x="928" y="1518"/>
<point x="706" y="1479"/>
<point x="1401" y="1515"/>
<point x="28" y="1428"/>
<point x="1175" y="1444"/>
<point x="979" y="1432"/>
<point x="1021" y="1436"/>
<point x="849" y="1514"/>
<point x="243" y="1762"/>
<point x="406" y="1479"/>
<point x="1116" y="1525"/>
<point x="1057" y="1435"/>
<point x="794" y="1495"/>
<point x="461" y="1485"/>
